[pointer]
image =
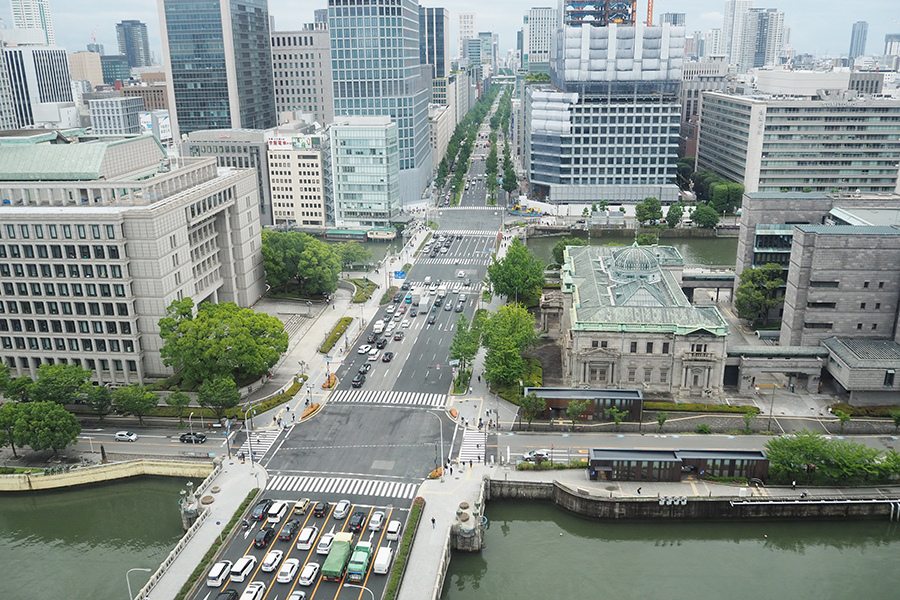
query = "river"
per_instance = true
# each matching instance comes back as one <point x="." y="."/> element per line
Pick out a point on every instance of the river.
<point x="696" y="251"/>
<point x="79" y="543"/>
<point x="535" y="550"/>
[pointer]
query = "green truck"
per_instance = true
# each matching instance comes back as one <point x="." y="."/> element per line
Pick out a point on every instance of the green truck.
<point x="359" y="562"/>
<point x="336" y="562"/>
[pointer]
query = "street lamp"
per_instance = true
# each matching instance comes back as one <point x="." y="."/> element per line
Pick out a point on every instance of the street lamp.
<point x="191" y="423"/>
<point x="128" y="581"/>
<point x="362" y="587"/>
<point x="771" y="409"/>
<point x="441" y="428"/>
<point x="249" y="437"/>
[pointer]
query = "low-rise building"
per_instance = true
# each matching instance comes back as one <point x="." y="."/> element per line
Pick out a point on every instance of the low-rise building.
<point x="116" y="116"/>
<point x="299" y="176"/>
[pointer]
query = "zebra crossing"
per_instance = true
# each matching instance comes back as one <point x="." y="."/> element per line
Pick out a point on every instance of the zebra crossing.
<point x="472" y="448"/>
<point x="344" y="486"/>
<point x="470" y="232"/>
<point x="389" y="397"/>
<point x="495" y="208"/>
<point x="455" y="287"/>
<point x="260" y="441"/>
<point x="485" y="260"/>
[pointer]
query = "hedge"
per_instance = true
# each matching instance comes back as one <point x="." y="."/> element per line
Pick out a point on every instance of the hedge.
<point x="534" y="377"/>
<point x="865" y="411"/>
<point x="389" y="295"/>
<point x="706" y="408"/>
<point x="364" y="289"/>
<point x="578" y="463"/>
<point x="415" y="513"/>
<point x="335" y="334"/>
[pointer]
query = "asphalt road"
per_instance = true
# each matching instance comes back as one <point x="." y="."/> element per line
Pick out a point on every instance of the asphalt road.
<point x="151" y="441"/>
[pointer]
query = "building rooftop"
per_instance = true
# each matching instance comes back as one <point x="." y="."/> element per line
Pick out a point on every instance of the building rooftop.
<point x="774" y="351"/>
<point x="855" y="215"/>
<point x="848" y="230"/>
<point x="861" y="353"/>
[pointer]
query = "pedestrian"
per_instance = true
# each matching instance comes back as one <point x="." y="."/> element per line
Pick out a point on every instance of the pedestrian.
<point x="639" y="491"/>
<point x="479" y="379"/>
<point x="470" y="463"/>
<point x="805" y="494"/>
<point x="451" y="470"/>
<point x="432" y="522"/>
<point x="794" y="485"/>
<point x="490" y="424"/>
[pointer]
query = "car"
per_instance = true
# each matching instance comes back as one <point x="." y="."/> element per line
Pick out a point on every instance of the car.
<point x="432" y="319"/>
<point x="364" y="349"/>
<point x="460" y="307"/>
<point x="373" y="354"/>
<point x="397" y="317"/>
<point x="357" y="520"/>
<point x="398" y="297"/>
<point x="463" y="297"/>
<point x="309" y="574"/>
<point x="461" y="274"/>
<point x="261" y="509"/>
<point x="254" y="591"/>
<point x="438" y="301"/>
<point x="401" y="310"/>
<point x="219" y="573"/>
<point x="377" y="520"/>
<point x="289" y="529"/>
<point x="372" y="338"/>
<point x="298" y="595"/>
<point x="192" y="438"/>
<point x="263" y="537"/>
<point x="439" y="282"/>
<point x="405" y="323"/>
<point x="320" y="509"/>
<point x="272" y="560"/>
<point x="413" y="311"/>
<point x="391" y="309"/>
<point x="288" y="571"/>
<point x="358" y="380"/>
<point x="342" y="509"/>
<point x="467" y="282"/>
<point x="580" y="221"/>
<point x="380" y="344"/>
<point x="365" y="368"/>
<point x="433" y="254"/>
<point x="533" y="455"/>
<point x="302" y="505"/>
<point x="405" y="285"/>
<point x="324" y="545"/>
<point x="388" y="356"/>
<point x="390" y="326"/>
<point x="307" y="537"/>
<point x="126" y="436"/>
<point x="229" y="594"/>
<point x="394" y="529"/>
<point x="398" y="336"/>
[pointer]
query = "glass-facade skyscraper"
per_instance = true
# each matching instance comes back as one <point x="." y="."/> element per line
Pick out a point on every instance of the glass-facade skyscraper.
<point x="434" y="39"/>
<point x="376" y="71"/>
<point x="134" y="43"/>
<point x="219" y="62"/>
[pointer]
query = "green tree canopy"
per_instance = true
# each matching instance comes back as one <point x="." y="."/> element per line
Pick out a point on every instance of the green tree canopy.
<point x="218" y="395"/>
<point x="560" y="247"/>
<point x="223" y="340"/>
<point x="809" y="456"/>
<point x="759" y="292"/>
<point x="465" y="343"/>
<point x="9" y="414"/>
<point x="575" y="410"/>
<point x="45" y="426"/>
<point x="674" y="215"/>
<point x="100" y="399"/>
<point x="518" y="275"/>
<point x="20" y="388"/>
<point x="506" y="334"/>
<point x="60" y="383"/>
<point x="4" y="378"/>
<point x="705" y="216"/>
<point x="135" y="400"/>
<point x="532" y="406"/>
<point x="726" y="196"/>
<point x="291" y="255"/>
<point x="352" y="253"/>
<point x="649" y="209"/>
<point x="179" y="401"/>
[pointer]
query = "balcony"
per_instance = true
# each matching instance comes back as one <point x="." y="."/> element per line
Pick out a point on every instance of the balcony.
<point x="704" y="356"/>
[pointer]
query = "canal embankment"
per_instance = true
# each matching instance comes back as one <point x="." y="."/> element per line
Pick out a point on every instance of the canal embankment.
<point x="100" y="473"/>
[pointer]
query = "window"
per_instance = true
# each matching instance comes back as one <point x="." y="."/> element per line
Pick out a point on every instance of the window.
<point x="648" y="373"/>
<point x="866" y="284"/>
<point x="877" y="305"/>
<point x="633" y="347"/>
<point x="595" y="344"/>
<point x="110" y="232"/>
<point x="603" y="344"/>
<point x="880" y="285"/>
<point x="665" y="348"/>
<point x="874" y="326"/>
<point x="663" y="376"/>
<point x="649" y="347"/>
<point x="826" y="284"/>
<point x="862" y="305"/>
<point x="859" y="326"/>
<point x="889" y="378"/>
<point x="818" y="325"/>
<point x="632" y="372"/>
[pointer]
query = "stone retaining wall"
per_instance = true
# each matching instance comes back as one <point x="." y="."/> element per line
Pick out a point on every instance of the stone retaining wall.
<point x="107" y="472"/>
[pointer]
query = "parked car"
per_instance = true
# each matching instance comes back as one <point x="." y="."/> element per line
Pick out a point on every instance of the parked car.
<point x="309" y="574"/>
<point x="261" y="509"/>
<point x="192" y="438"/>
<point x="357" y="521"/>
<point x="290" y="528"/>
<point x="263" y="537"/>
<point x="320" y="509"/>
<point x="126" y="436"/>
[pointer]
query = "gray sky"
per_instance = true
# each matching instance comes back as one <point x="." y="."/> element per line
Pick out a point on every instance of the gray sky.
<point x="817" y="27"/>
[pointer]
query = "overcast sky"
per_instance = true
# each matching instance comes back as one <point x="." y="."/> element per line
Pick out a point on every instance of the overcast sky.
<point x="818" y="27"/>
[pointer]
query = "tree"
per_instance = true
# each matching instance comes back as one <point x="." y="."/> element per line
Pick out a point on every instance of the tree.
<point x="726" y="196"/>
<point x="291" y="255"/>
<point x="560" y="247"/>
<point x="4" y="379"/>
<point x="100" y="399"/>
<point x="465" y="343"/>
<point x="9" y="414"/>
<point x="20" y="389"/>
<point x="352" y="253"/>
<point x="179" y="401"/>
<point x="575" y="409"/>
<point x="748" y="420"/>
<point x="222" y="340"/>
<point x="843" y="417"/>
<point x="503" y="363"/>
<point x="758" y="292"/>
<point x="617" y="415"/>
<point x="705" y="216"/>
<point x="45" y="426"/>
<point x="586" y="212"/>
<point x="810" y="456"/>
<point x="518" y="275"/>
<point x="60" y="383"/>
<point x="532" y="406"/>
<point x="895" y="415"/>
<point x="674" y="215"/>
<point x="218" y="395"/>
<point x="661" y="420"/>
<point x="647" y="239"/>
<point x="136" y="400"/>
<point x="684" y="168"/>
<point x="649" y="209"/>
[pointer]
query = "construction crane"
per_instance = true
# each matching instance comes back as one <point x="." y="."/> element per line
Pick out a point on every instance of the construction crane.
<point x="649" y="13"/>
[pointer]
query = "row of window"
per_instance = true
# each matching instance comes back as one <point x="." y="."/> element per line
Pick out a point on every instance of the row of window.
<point x="836" y="284"/>
<point x="56" y="326"/>
<point x="68" y="231"/>
<point x="88" y="363"/>
<point x="92" y="290"/>
<point x="61" y="271"/>
<point x="66" y="308"/>
<point x="63" y="344"/>
<point x="69" y="251"/>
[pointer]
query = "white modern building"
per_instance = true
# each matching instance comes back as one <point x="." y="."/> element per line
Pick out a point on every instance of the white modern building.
<point x="40" y="84"/>
<point x="156" y="122"/>
<point x="116" y="116"/>
<point x="299" y="172"/>
<point x="34" y="14"/>
<point x="466" y="31"/>
<point x="100" y="236"/>
<point x="440" y="120"/>
<point x="365" y="163"/>
<point x="302" y="64"/>
<point x="538" y="29"/>
<point x="761" y="41"/>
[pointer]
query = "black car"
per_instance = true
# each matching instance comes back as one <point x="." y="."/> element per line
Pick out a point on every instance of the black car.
<point x="192" y="438"/>
<point x="263" y="537"/>
<point x="373" y="337"/>
<point x="460" y="307"/>
<point x="413" y="311"/>
<point x="380" y="344"/>
<point x="228" y="594"/>
<point x="262" y="507"/>
<point x="433" y="254"/>
<point x="405" y="285"/>
<point x="438" y="301"/>
<point x="289" y="529"/>
<point x="398" y="297"/>
<point x="398" y="336"/>
<point x="432" y="319"/>
<point x="357" y="520"/>
<point x="388" y="357"/>
<point x="365" y="368"/>
<point x="358" y="380"/>
<point x="320" y="509"/>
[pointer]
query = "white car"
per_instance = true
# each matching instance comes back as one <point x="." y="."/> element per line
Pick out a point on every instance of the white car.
<point x="126" y="436"/>
<point x="376" y="521"/>
<point x="309" y="574"/>
<point x="298" y="595"/>
<point x="391" y="326"/>
<point x="254" y="591"/>
<point x="393" y="530"/>
<point x="405" y="323"/>
<point x="533" y="455"/>
<point x="373" y="354"/>
<point x="324" y="545"/>
<point x="288" y="571"/>
<point x="461" y="274"/>
<point x="307" y="537"/>
<point x="364" y="349"/>
<point x="272" y="560"/>
<point x="342" y="509"/>
<point x="391" y="309"/>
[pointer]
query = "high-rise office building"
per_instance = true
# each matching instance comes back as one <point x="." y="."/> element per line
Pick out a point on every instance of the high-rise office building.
<point x="7" y="101"/>
<point x="34" y="14"/>
<point x="537" y="37"/>
<point x="858" y="39"/>
<point x="86" y="65"/>
<point x="733" y="25"/>
<point x="488" y="50"/>
<point x="466" y="31"/>
<point x="115" y="68"/>
<point x="116" y="116"/>
<point x="134" y="43"/>
<point x="892" y="44"/>
<point x="302" y="66"/>
<point x="300" y="177"/>
<point x="397" y="85"/>
<point x="41" y="86"/>
<point x="320" y="15"/>
<point x="218" y="64"/>
<point x="676" y="19"/>
<point x="98" y="48"/>
<point x="761" y="39"/>
<point x="434" y="40"/>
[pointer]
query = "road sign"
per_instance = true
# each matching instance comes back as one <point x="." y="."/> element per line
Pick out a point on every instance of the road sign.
<point x="399" y="274"/>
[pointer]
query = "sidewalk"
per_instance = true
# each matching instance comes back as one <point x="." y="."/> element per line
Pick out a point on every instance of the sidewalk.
<point x="235" y="481"/>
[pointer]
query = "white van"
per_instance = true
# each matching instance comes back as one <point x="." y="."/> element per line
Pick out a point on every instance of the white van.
<point x="428" y="280"/>
<point x="383" y="560"/>
<point x="393" y="530"/>
<point x="277" y="512"/>
<point x="243" y="568"/>
<point x="218" y="574"/>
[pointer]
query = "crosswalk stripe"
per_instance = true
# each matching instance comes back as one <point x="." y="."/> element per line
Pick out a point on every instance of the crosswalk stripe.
<point x="388" y="397"/>
<point x="472" y="447"/>
<point x="343" y="486"/>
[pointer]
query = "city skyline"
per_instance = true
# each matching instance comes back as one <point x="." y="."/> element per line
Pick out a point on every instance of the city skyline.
<point x="823" y="31"/>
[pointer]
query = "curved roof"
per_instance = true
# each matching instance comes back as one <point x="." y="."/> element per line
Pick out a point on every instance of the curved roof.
<point x="635" y="259"/>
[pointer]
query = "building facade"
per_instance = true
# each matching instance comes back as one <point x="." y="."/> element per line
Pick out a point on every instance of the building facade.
<point x="116" y="116"/>
<point x="761" y="40"/>
<point x="858" y="37"/>
<point x="40" y="86"/>
<point x="115" y="68"/>
<point x="34" y="14"/>
<point x="7" y="101"/>
<point x="434" y="40"/>
<point x="440" y="120"/>
<point x="733" y="27"/>
<point x="134" y="43"/>
<point x="90" y="263"/>
<point x="365" y="166"/>
<point x="892" y="44"/>
<point x="396" y="85"/>
<point x="466" y="31"/>
<point x="702" y="76"/>
<point x="86" y="65"/>
<point x="676" y="19"/>
<point x="218" y="64"/>
<point x="794" y="144"/>
<point x="299" y="168"/>
<point x="540" y="26"/>
<point x="302" y="64"/>
<point x="155" y="96"/>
